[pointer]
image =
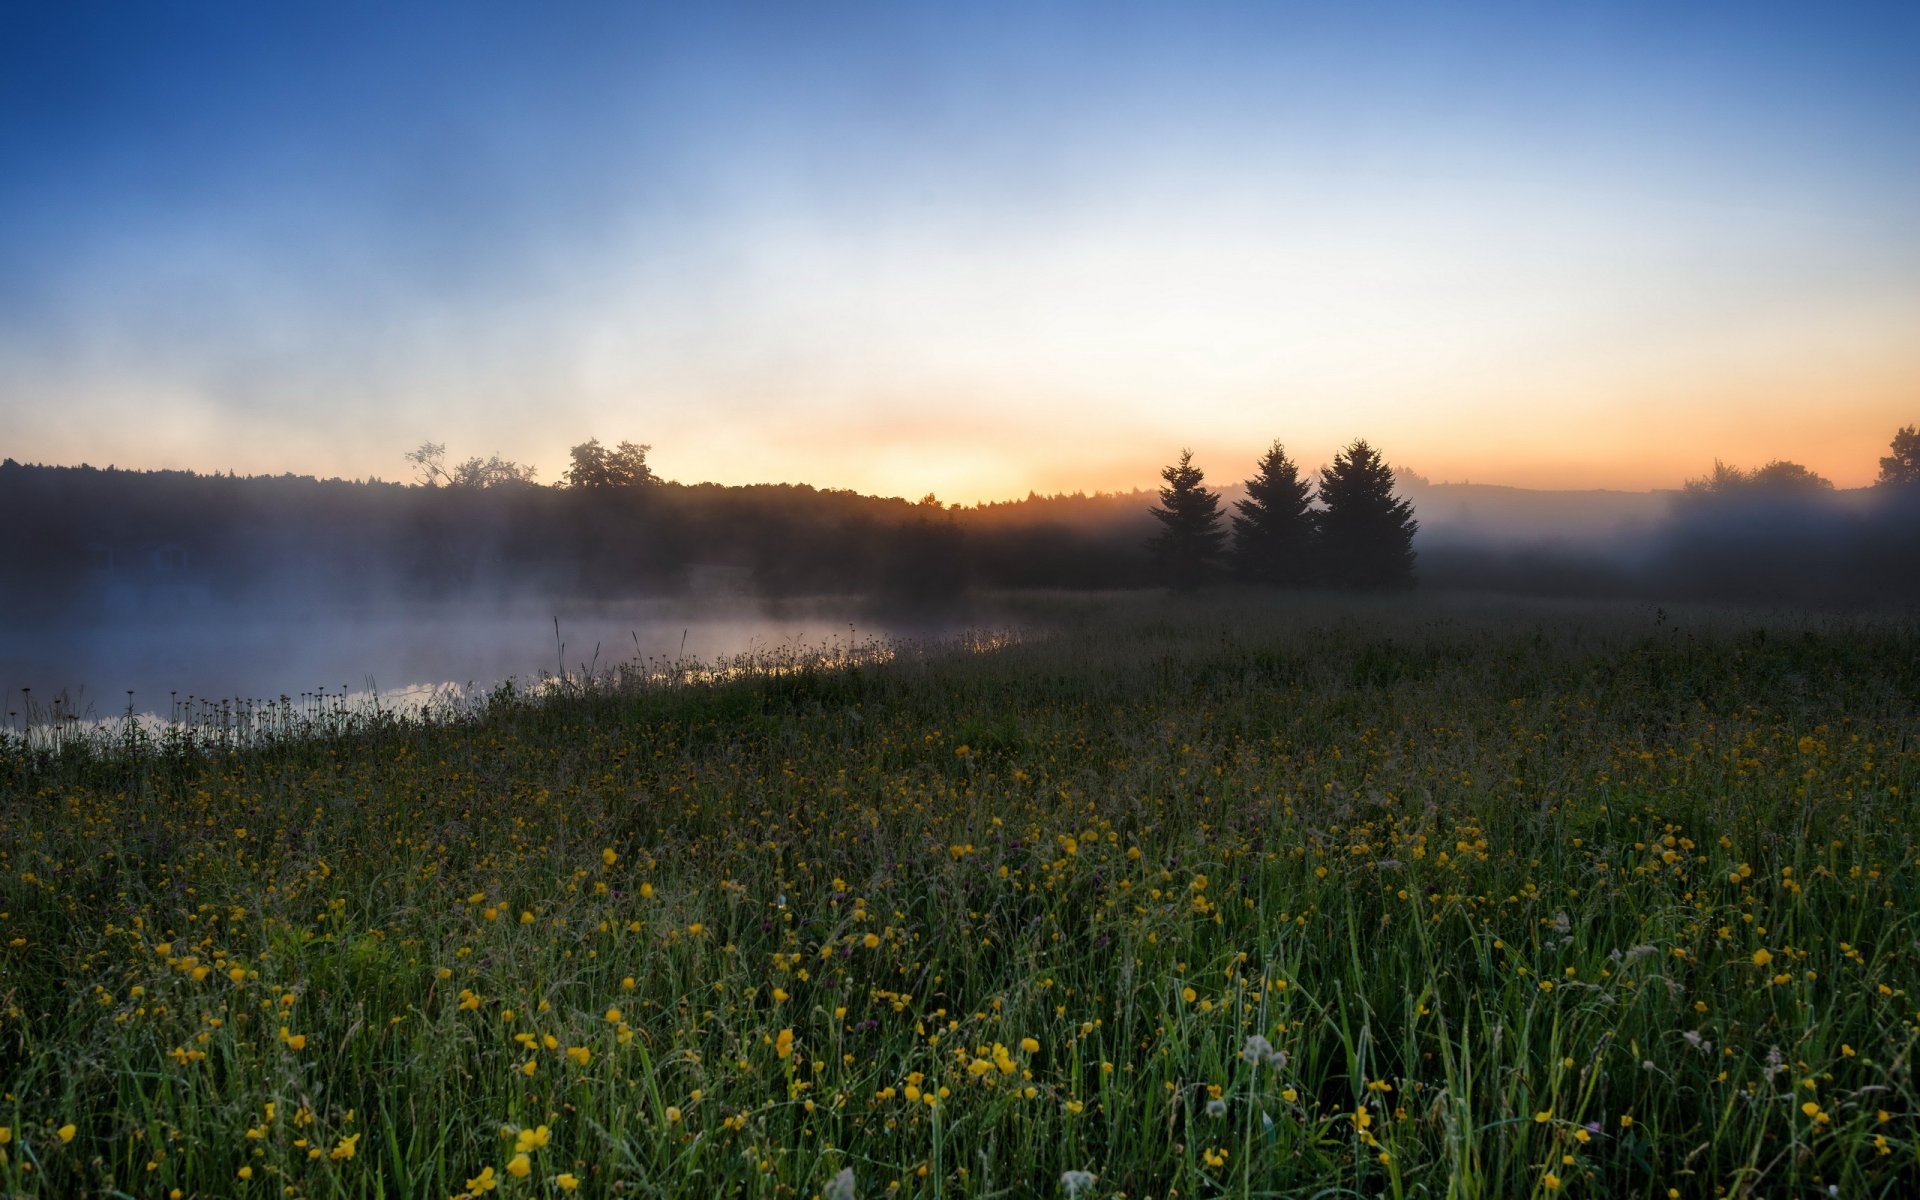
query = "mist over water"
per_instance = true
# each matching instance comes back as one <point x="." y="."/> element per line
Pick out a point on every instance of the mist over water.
<point x="400" y="653"/>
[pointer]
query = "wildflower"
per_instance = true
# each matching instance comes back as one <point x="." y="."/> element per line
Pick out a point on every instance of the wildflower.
<point x="1216" y="1108"/>
<point x="532" y="1139"/>
<point x="486" y="1181"/>
<point x="1215" y="1156"/>
<point x="840" y="1187"/>
<point x="245" y="1173"/>
<point x="1550" y="1181"/>
<point x="346" y="1148"/>
<point x="66" y="1132"/>
<point x="1189" y="995"/>
<point x="519" y="1166"/>
<point x="673" y="1114"/>
<point x="1076" y="1182"/>
<point x="871" y="941"/>
<point x="1029" y="1045"/>
<point x="783" y="1045"/>
<point x="614" y="1016"/>
<point x="1762" y="957"/>
<point x="565" y="1181"/>
<point x="1257" y="1049"/>
<point x="579" y="1054"/>
<point x="608" y="856"/>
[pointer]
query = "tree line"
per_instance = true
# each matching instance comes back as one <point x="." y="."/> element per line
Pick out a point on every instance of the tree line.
<point x="1359" y="534"/>
<point x="611" y="527"/>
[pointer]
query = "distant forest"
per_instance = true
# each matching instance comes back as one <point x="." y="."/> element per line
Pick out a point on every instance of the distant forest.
<point x="80" y="542"/>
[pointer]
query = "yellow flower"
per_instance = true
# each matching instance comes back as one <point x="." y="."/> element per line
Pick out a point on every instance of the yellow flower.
<point x="1543" y="1117"/>
<point x="614" y="1016"/>
<point x="294" y="1041"/>
<point x="1215" y="1157"/>
<point x="486" y="1181"/>
<point x="526" y="918"/>
<point x="1029" y="1045"/>
<point x="780" y="995"/>
<point x="565" y="1180"/>
<point x="529" y="1067"/>
<point x="238" y="974"/>
<point x="1189" y="995"/>
<point x="245" y="1172"/>
<point x="1550" y="1181"/>
<point x="66" y="1132"/>
<point x="783" y="1045"/>
<point x="871" y="941"/>
<point x="519" y="1166"/>
<point x="579" y="1054"/>
<point x="608" y="856"/>
<point x="1761" y="957"/>
<point x="348" y="1145"/>
<point x="532" y="1139"/>
<point x="673" y="1114"/>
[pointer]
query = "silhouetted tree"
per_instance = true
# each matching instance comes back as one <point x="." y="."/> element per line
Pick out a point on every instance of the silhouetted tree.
<point x="494" y="471"/>
<point x="1902" y="467"/>
<point x="1188" y="545"/>
<point x="1778" y="478"/>
<point x="1273" y="529"/>
<point x="594" y="466"/>
<point x="429" y="462"/>
<point x="1366" y="533"/>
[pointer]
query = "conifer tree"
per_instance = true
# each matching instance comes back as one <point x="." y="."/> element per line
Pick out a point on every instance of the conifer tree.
<point x="1366" y="534"/>
<point x="1188" y="545"/>
<point x="1274" y="528"/>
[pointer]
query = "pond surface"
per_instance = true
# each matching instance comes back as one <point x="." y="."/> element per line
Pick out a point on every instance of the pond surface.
<point x="399" y="654"/>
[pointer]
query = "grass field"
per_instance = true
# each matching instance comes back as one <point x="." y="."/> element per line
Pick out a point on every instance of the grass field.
<point x="1222" y="896"/>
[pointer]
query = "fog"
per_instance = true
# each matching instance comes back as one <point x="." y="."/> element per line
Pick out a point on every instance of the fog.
<point x="401" y="654"/>
<point x="171" y="586"/>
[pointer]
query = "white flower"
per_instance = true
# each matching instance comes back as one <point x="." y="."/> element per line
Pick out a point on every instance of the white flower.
<point x="1076" y="1182"/>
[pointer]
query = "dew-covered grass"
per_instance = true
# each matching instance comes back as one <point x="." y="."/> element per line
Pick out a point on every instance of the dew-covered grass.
<point x="1230" y="895"/>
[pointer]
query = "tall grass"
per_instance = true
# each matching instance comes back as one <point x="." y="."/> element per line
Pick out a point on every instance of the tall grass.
<point x="1234" y="896"/>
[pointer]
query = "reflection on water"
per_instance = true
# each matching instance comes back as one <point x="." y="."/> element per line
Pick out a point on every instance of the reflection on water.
<point x="403" y="658"/>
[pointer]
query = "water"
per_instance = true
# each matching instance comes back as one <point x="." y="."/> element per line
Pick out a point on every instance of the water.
<point x="399" y="655"/>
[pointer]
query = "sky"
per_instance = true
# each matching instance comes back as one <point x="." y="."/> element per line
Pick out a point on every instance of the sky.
<point x="973" y="250"/>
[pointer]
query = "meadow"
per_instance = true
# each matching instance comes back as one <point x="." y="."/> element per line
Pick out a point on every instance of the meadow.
<point x="1231" y="895"/>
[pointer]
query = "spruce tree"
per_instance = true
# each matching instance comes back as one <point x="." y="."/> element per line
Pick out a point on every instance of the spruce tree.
<point x="1366" y="534"/>
<point x="1189" y="542"/>
<point x="1273" y="530"/>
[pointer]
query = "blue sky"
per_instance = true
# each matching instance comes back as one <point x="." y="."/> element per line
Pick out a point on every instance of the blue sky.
<point x="968" y="249"/>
